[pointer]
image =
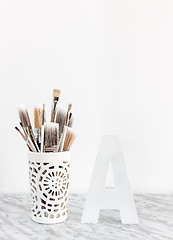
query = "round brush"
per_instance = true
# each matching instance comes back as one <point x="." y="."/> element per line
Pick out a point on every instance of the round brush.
<point x="56" y="95"/>
<point x="42" y="130"/>
<point x="61" y="145"/>
<point x="38" y="111"/>
<point x="60" y="119"/>
<point x="24" y="118"/>
<point x="28" y="142"/>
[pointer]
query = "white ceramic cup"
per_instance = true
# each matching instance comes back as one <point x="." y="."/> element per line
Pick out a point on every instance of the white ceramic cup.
<point x="49" y="183"/>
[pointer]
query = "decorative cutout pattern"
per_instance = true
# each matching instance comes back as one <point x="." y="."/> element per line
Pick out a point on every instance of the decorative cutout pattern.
<point x="49" y="189"/>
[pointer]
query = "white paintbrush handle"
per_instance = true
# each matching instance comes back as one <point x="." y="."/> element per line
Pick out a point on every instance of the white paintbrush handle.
<point x="42" y="139"/>
<point x="31" y="145"/>
<point x="34" y="140"/>
<point x="61" y="145"/>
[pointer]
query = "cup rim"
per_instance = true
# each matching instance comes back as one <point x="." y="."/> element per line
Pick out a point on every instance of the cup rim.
<point x="49" y="153"/>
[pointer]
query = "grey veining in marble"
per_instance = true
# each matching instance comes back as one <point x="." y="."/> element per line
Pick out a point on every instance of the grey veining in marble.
<point x="155" y="215"/>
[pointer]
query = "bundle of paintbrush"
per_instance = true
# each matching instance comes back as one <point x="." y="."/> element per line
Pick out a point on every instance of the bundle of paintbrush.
<point x="54" y="136"/>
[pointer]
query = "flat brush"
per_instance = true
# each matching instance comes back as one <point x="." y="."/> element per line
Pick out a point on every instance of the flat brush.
<point x="38" y="111"/>
<point x="56" y="94"/>
<point x="24" y="117"/>
<point x="42" y="130"/>
<point x="51" y="137"/>
<point x="28" y="142"/>
<point x="69" y="139"/>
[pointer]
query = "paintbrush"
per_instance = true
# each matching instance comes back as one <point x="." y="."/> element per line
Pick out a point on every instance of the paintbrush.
<point x="68" y="114"/>
<point x="24" y="117"/>
<point x="25" y="133"/>
<point x="42" y="130"/>
<point x="71" y="120"/>
<point x="69" y="139"/>
<point x="65" y="129"/>
<point x="56" y="94"/>
<point x="28" y="142"/>
<point x="60" y="119"/>
<point x="38" y="111"/>
<point x="51" y="137"/>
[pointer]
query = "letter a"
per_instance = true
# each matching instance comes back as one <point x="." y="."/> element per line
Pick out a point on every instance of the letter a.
<point x="98" y="196"/>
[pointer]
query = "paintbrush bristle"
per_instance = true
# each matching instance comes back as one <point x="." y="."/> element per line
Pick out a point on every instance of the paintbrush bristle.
<point x="61" y="119"/>
<point x="24" y="116"/>
<point x="43" y="115"/>
<point x="69" y="106"/>
<point x="56" y="93"/>
<point x="69" y="139"/>
<point x="51" y="137"/>
<point x="38" y="111"/>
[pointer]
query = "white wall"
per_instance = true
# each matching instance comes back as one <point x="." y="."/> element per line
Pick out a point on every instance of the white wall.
<point x="113" y="60"/>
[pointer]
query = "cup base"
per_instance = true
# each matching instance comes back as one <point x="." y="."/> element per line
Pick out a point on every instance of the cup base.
<point x="44" y="220"/>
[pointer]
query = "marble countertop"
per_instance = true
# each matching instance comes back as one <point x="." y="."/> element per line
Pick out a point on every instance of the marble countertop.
<point x="155" y="214"/>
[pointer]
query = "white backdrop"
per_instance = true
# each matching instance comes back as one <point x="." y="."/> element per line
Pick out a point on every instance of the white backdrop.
<point x="113" y="60"/>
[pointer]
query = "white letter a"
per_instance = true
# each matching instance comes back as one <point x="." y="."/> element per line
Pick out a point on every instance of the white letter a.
<point x="98" y="196"/>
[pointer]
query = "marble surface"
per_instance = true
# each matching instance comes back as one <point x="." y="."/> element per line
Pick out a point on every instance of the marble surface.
<point x="155" y="215"/>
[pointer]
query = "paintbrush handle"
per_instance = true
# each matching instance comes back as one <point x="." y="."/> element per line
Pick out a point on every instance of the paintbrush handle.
<point x="42" y="138"/>
<point x="62" y="140"/>
<point x="53" y="111"/>
<point x="38" y="135"/>
<point x="31" y="145"/>
<point x="26" y="139"/>
<point x="33" y="139"/>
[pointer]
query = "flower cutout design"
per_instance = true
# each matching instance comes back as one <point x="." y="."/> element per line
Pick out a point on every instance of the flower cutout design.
<point x="49" y="189"/>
